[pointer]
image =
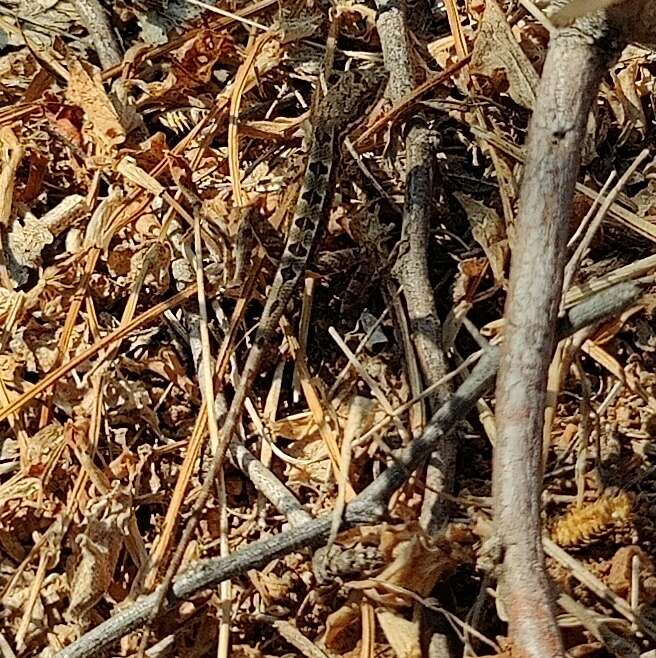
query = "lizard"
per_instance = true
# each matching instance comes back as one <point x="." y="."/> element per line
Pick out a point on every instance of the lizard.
<point x="344" y="103"/>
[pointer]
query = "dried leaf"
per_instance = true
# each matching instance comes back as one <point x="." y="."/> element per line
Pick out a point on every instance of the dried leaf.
<point x="619" y="578"/>
<point x="97" y="550"/>
<point x="27" y="240"/>
<point x="86" y="90"/>
<point x="402" y="634"/>
<point x="199" y="56"/>
<point x="271" y="587"/>
<point x="497" y="50"/>
<point x="489" y="230"/>
<point x="415" y="562"/>
<point x="343" y="628"/>
<point x="625" y="101"/>
<point x="11" y="154"/>
<point x="468" y="278"/>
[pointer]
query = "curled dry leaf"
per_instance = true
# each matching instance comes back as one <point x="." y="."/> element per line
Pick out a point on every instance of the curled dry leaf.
<point x="8" y="300"/>
<point x="470" y="272"/>
<point x="28" y="239"/>
<point x="625" y="100"/>
<point x="129" y="401"/>
<point x="496" y="51"/>
<point x="11" y="154"/>
<point x="199" y="56"/>
<point x="489" y="231"/>
<point x="308" y="447"/>
<point x="27" y="496"/>
<point x="273" y="588"/>
<point x="43" y="449"/>
<point x="97" y="549"/>
<point x="402" y="634"/>
<point x="104" y="127"/>
<point x="415" y="562"/>
<point x="343" y="628"/>
<point x="620" y="576"/>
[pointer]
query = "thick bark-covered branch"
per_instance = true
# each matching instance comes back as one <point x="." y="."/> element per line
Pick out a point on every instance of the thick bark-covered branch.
<point x="102" y="37"/>
<point x="577" y="59"/>
<point x="412" y="265"/>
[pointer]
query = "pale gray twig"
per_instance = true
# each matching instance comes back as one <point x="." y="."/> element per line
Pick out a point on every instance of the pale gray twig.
<point x="101" y="35"/>
<point x="577" y="59"/>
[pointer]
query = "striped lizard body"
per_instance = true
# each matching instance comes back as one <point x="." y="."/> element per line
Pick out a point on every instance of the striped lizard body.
<point x="343" y="105"/>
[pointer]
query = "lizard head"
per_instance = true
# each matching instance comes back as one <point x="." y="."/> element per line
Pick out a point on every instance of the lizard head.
<point x="351" y="96"/>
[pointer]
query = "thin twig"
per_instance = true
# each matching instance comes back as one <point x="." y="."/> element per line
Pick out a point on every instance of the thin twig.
<point x="582" y="248"/>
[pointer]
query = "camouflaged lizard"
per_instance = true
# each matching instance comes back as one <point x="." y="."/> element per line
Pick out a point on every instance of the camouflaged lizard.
<point x="344" y="103"/>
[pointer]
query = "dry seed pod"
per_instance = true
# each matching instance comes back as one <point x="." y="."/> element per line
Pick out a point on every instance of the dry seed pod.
<point x="585" y="525"/>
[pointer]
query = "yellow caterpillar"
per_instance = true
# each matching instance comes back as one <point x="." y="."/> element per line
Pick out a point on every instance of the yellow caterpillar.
<point x="591" y="522"/>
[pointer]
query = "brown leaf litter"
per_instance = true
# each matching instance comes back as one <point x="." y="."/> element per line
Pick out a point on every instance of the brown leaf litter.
<point x="103" y="442"/>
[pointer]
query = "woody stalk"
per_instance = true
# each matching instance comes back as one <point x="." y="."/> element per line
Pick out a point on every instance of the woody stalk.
<point x="580" y="53"/>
